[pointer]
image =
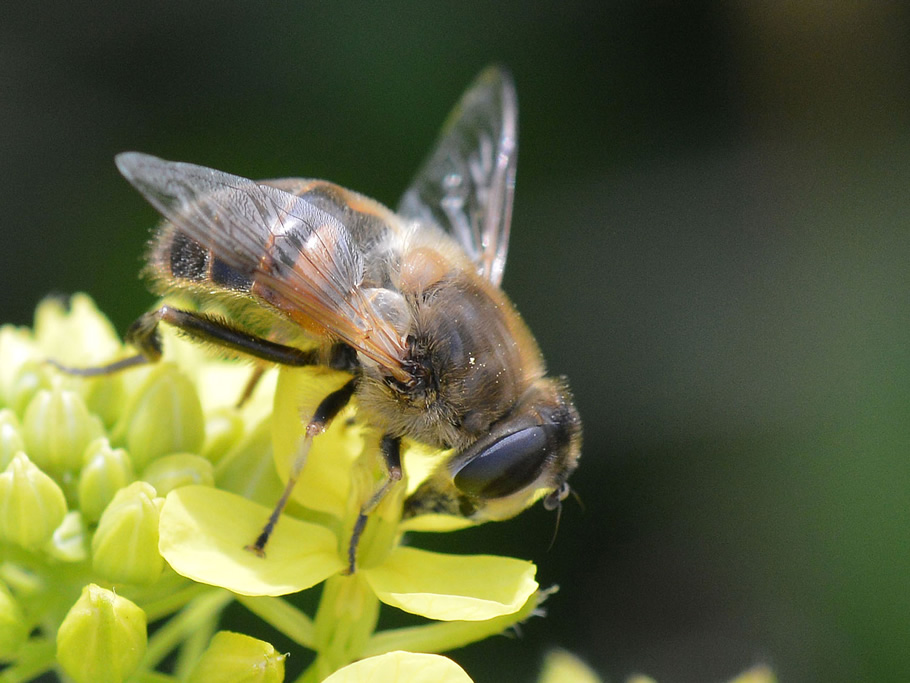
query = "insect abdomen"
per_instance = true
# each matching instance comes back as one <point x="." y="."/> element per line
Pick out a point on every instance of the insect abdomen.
<point x="184" y="259"/>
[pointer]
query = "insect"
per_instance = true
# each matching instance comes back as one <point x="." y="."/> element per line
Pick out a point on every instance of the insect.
<point x="407" y="302"/>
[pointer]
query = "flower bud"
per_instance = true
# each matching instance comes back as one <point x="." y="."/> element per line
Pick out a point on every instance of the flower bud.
<point x="104" y="396"/>
<point x="77" y="334"/>
<point x="16" y="347"/>
<point x="102" y="638"/>
<point x="31" y="503"/>
<point x="223" y="429"/>
<point x="163" y="416"/>
<point x="74" y="331"/>
<point x="10" y="437"/>
<point x="237" y="658"/>
<point x="13" y="629"/>
<point x="125" y="545"/>
<point x="30" y="378"/>
<point x="57" y="427"/>
<point x="68" y="540"/>
<point x="104" y="472"/>
<point x="179" y="469"/>
<point x="248" y="468"/>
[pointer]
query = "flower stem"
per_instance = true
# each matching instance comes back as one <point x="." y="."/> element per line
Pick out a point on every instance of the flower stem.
<point x="192" y="617"/>
<point x="346" y="618"/>
<point x="284" y="617"/>
<point x="34" y="658"/>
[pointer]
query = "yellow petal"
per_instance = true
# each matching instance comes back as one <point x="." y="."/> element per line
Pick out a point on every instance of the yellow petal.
<point x="204" y="533"/>
<point x="420" y="461"/>
<point x="434" y="522"/>
<point x="401" y="667"/>
<point x="324" y="484"/>
<point x="452" y="587"/>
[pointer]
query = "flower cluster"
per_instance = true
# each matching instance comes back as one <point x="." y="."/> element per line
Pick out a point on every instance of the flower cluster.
<point x="129" y="498"/>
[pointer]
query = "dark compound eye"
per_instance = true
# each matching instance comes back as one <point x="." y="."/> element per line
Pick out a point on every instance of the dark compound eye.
<point x="506" y="465"/>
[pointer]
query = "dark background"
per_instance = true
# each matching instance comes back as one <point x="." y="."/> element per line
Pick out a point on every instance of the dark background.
<point x="710" y="238"/>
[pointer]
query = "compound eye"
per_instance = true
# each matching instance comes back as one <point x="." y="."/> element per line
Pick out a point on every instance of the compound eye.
<point x="506" y="465"/>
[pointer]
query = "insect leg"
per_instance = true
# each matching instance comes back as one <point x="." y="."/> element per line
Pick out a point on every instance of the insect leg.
<point x="390" y="447"/>
<point x="250" y="386"/>
<point x="330" y="406"/>
<point x="143" y="334"/>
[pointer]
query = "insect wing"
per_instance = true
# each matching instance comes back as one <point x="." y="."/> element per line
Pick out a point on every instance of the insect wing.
<point x="299" y="258"/>
<point x="467" y="183"/>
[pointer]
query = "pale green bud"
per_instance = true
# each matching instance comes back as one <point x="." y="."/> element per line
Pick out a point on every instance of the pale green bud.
<point x="102" y="638"/>
<point x="13" y="629"/>
<point x="16" y="347"/>
<point x="74" y="331"/>
<point x="163" y="416"/>
<point x="68" y="542"/>
<point x="237" y="658"/>
<point x="105" y="396"/>
<point x="248" y="469"/>
<point x="223" y="429"/>
<point x="11" y="441"/>
<point x="125" y="545"/>
<point x="57" y="427"/>
<point x="170" y="472"/>
<point x="31" y="503"/>
<point x="30" y="378"/>
<point x="105" y="471"/>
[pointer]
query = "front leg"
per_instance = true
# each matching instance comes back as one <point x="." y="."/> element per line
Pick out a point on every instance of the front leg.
<point x="390" y="447"/>
<point x="326" y="411"/>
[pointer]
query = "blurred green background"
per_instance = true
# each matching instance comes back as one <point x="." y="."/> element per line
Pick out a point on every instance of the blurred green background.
<point x="710" y="239"/>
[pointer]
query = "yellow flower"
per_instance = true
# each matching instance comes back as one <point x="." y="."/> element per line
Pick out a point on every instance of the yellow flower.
<point x="401" y="667"/>
<point x="87" y="462"/>
<point x="204" y="530"/>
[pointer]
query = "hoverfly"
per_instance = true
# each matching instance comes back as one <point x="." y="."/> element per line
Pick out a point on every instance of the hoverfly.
<point x="407" y="302"/>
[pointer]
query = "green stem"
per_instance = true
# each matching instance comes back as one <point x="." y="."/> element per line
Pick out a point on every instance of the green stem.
<point x="195" y="644"/>
<point x="35" y="657"/>
<point x="284" y="617"/>
<point x="346" y="618"/>
<point x="167" y="605"/>
<point x="192" y="617"/>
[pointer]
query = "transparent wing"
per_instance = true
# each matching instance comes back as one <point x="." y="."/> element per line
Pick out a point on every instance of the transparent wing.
<point x="299" y="258"/>
<point x="467" y="183"/>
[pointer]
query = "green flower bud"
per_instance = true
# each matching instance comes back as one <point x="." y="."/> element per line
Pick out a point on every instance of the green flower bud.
<point x="102" y="638"/>
<point x="163" y="416"/>
<point x="31" y="377"/>
<point x="57" y="427"/>
<point x="16" y="347"/>
<point x="10" y="437"/>
<point x="223" y="429"/>
<point x="31" y="503"/>
<point x="179" y="469"/>
<point x="74" y="332"/>
<point x="68" y="541"/>
<point x="104" y="396"/>
<point x="13" y="629"/>
<point x="125" y="545"/>
<point x="249" y="470"/>
<point x="104" y="472"/>
<point x="237" y="658"/>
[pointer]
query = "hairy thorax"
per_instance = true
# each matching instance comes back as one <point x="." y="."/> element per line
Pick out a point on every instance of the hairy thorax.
<point x="470" y="358"/>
